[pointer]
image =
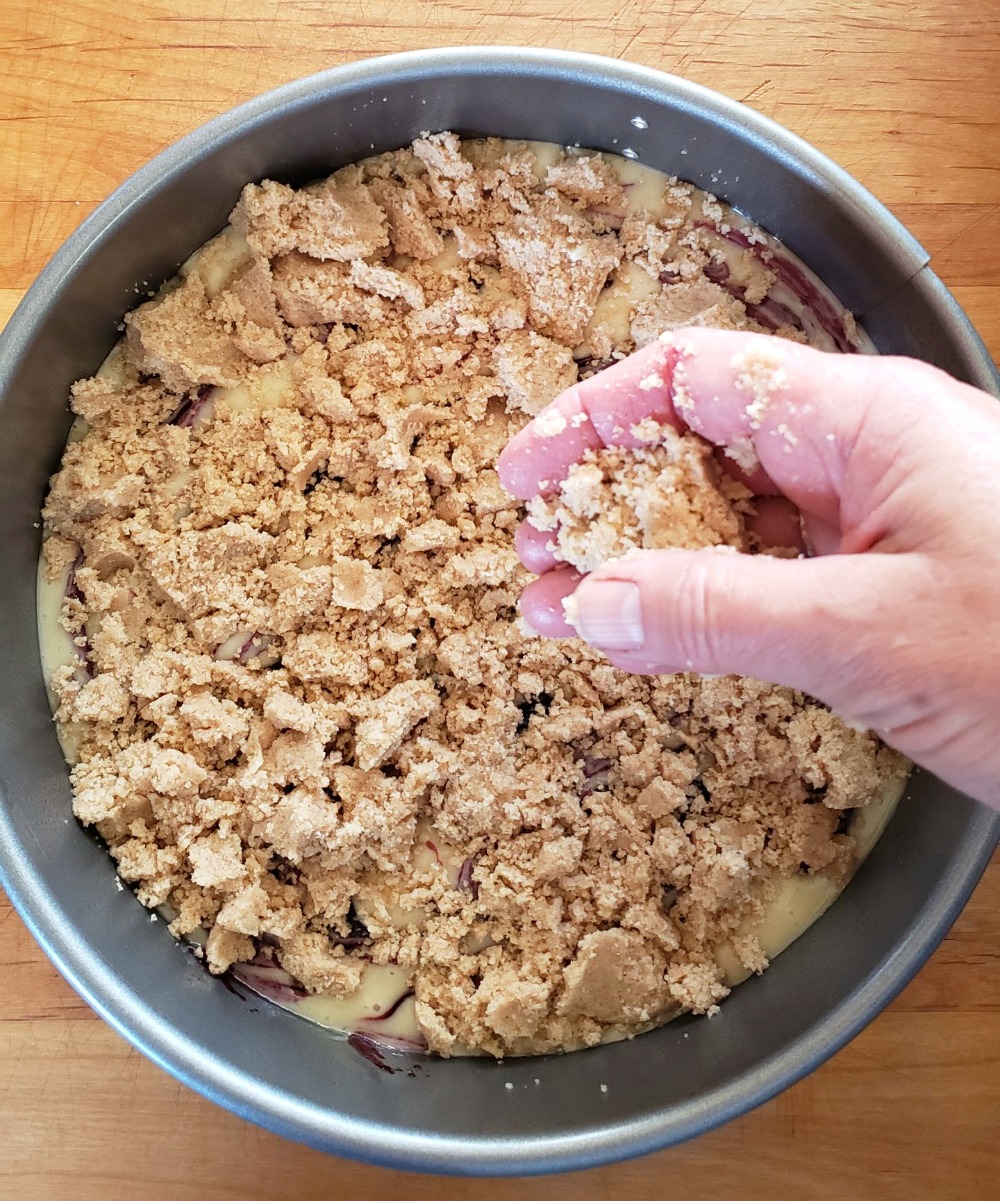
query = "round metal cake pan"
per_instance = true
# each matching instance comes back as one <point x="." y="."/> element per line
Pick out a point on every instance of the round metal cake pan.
<point x="460" y="1116"/>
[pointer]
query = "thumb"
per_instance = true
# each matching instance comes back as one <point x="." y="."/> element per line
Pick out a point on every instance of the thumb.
<point x="825" y="626"/>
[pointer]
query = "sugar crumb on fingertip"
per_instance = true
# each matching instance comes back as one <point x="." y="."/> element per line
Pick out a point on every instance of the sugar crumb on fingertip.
<point x="649" y="431"/>
<point x="759" y="371"/>
<point x="683" y="401"/>
<point x="550" y="423"/>
<point x="786" y="432"/>
<point x="741" y="451"/>
<point x="681" y="349"/>
<point x="571" y="610"/>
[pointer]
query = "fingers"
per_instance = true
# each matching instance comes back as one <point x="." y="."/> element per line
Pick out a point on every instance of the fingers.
<point x="807" y="624"/>
<point x="795" y="411"/>
<point x="789" y="414"/>
<point x="533" y="548"/>
<point x="542" y="602"/>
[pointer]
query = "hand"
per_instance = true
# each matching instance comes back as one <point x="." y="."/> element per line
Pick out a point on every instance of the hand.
<point x="894" y="469"/>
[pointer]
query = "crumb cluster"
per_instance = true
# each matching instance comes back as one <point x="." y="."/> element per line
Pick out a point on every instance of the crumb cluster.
<point x="305" y="713"/>
<point x="665" y="495"/>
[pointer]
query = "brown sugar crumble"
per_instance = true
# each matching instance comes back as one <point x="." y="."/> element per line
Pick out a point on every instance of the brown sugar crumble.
<point x="671" y="494"/>
<point x="291" y="583"/>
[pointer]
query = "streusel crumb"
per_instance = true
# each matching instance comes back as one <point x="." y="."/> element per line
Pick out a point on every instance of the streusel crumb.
<point x="671" y="494"/>
<point x="291" y="585"/>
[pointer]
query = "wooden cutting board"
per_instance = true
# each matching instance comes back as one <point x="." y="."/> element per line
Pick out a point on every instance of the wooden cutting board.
<point x="903" y="93"/>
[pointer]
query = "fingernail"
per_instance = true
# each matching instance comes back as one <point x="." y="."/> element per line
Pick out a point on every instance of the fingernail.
<point x="608" y="613"/>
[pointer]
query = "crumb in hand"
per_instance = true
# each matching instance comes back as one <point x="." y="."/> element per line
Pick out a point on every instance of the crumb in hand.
<point x="671" y="494"/>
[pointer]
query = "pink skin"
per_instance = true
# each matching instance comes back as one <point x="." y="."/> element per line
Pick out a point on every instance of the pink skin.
<point x="894" y="622"/>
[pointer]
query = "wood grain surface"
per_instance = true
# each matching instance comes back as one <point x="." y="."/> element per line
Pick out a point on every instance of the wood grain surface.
<point x="903" y="93"/>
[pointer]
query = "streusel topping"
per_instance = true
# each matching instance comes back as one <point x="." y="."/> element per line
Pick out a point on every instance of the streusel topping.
<point x="292" y="586"/>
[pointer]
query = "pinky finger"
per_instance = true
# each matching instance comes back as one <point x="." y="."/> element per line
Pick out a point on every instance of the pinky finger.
<point x="542" y="602"/>
<point x="534" y="548"/>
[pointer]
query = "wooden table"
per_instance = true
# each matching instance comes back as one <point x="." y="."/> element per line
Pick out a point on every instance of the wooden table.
<point x="903" y="93"/>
